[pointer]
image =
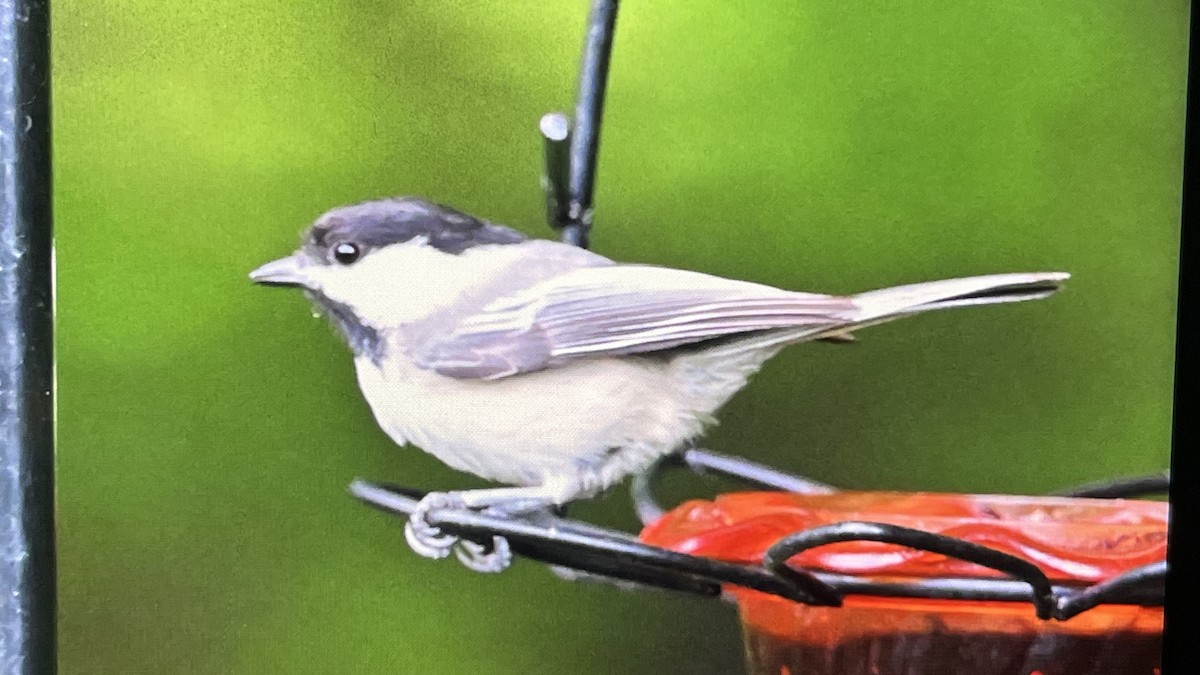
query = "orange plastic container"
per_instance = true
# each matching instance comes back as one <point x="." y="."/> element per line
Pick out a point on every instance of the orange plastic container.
<point x="1073" y="541"/>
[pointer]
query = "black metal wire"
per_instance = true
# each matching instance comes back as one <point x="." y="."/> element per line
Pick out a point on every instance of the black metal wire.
<point x="1122" y="488"/>
<point x="619" y="556"/>
<point x="27" y="562"/>
<point x="1150" y="578"/>
<point x="702" y="461"/>
<point x="583" y="141"/>
<point x="566" y="543"/>
<point x="781" y="551"/>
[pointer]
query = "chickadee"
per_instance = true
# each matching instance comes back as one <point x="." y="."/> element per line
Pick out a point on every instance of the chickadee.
<point x="548" y="367"/>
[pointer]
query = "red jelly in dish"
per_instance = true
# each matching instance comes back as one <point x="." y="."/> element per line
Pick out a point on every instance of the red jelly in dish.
<point x="1075" y="542"/>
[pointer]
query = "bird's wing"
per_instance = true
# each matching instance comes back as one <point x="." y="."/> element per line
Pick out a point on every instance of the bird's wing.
<point x="613" y="310"/>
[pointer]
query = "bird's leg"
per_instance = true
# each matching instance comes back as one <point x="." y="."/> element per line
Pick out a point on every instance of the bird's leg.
<point x="429" y="541"/>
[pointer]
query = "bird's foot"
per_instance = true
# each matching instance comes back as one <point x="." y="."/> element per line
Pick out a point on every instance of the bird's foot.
<point x="487" y="559"/>
<point x="425" y="539"/>
<point x="429" y="541"/>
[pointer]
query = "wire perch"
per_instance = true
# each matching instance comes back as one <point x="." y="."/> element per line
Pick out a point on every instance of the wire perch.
<point x="619" y="557"/>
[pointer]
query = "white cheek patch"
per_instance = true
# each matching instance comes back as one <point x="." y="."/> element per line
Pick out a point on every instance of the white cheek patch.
<point x="401" y="283"/>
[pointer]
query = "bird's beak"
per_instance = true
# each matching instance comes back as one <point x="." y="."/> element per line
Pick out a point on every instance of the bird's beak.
<point x="287" y="271"/>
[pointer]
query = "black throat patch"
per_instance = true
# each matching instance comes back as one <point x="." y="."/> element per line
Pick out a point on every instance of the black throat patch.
<point x="362" y="339"/>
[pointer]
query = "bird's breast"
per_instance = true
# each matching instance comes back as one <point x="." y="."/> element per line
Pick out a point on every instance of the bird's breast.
<point x="520" y="429"/>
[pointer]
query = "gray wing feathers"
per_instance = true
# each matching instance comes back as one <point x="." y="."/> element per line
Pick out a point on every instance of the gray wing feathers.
<point x="608" y="310"/>
<point x="486" y="355"/>
<point x="616" y="310"/>
<point x="630" y="324"/>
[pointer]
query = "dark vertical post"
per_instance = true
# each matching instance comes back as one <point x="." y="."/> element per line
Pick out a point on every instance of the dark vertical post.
<point x="1180" y="608"/>
<point x="589" y="111"/>
<point x="27" y="566"/>
<point x="580" y="138"/>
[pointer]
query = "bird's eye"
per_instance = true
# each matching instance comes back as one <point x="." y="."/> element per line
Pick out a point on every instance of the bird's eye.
<point x="346" y="252"/>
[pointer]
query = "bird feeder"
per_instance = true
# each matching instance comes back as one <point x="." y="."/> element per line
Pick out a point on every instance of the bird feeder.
<point x="872" y="583"/>
<point x="922" y="564"/>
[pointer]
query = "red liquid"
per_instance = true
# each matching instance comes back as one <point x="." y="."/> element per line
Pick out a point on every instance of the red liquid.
<point x="871" y="636"/>
<point x="978" y="654"/>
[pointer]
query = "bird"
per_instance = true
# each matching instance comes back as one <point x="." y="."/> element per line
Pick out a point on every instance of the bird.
<point x="548" y="368"/>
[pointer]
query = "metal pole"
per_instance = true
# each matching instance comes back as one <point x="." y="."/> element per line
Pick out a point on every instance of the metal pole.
<point x="556" y="135"/>
<point x="1183" y="582"/>
<point x="583" y="136"/>
<point x="27" y="568"/>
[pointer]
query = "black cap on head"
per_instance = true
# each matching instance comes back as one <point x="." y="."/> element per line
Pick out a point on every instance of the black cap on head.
<point x="382" y="222"/>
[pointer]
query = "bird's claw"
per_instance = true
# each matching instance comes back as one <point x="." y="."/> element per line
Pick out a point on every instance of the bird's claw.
<point x="424" y="538"/>
<point x="429" y="541"/>
<point x="479" y="559"/>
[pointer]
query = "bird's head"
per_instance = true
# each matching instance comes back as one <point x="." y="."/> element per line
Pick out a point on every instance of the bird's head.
<point x="385" y="263"/>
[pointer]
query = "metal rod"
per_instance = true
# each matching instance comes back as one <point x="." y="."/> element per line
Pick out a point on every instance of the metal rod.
<point x="700" y="460"/>
<point x="1122" y="488"/>
<point x="1146" y="578"/>
<point x="27" y="564"/>
<point x="777" y="556"/>
<point x="556" y="138"/>
<point x="584" y="140"/>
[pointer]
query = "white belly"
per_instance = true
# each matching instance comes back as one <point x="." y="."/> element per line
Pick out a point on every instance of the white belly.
<point x="523" y="430"/>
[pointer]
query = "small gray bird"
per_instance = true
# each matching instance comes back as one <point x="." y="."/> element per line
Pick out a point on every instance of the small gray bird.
<point x="548" y="367"/>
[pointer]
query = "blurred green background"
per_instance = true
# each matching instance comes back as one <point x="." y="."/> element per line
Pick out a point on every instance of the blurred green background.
<point x="209" y="427"/>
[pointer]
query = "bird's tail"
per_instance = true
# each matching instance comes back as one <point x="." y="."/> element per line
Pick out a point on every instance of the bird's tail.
<point x="888" y="304"/>
<point x="715" y="374"/>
